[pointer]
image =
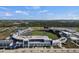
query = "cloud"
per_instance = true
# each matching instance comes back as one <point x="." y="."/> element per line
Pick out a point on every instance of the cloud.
<point x="63" y="15"/>
<point x="43" y="11"/>
<point x="3" y="14"/>
<point x="36" y="7"/>
<point x="4" y="8"/>
<point x="71" y="15"/>
<point x="8" y="14"/>
<point x="18" y="11"/>
<point x="21" y="12"/>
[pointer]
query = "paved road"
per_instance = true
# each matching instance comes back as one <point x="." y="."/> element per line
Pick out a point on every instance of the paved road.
<point x="40" y="50"/>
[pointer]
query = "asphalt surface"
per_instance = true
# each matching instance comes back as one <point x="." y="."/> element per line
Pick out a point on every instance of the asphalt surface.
<point x="40" y="50"/>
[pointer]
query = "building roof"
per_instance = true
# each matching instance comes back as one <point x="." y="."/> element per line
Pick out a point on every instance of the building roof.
<point x="30" y="37"/>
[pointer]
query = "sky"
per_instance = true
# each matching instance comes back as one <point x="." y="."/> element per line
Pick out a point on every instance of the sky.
<point x="39" y="12"/>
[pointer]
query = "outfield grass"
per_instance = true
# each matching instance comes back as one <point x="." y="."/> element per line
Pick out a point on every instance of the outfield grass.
<point x="43" y="33"/>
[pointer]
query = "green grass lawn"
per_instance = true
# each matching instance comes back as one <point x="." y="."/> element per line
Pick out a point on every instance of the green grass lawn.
<point x="77" y="29"/>
<point x="37" y="28"/>
<point x="43" y="33"/>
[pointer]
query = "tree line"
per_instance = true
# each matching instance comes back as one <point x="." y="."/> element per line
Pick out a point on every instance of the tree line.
<point x="42" y="24"/>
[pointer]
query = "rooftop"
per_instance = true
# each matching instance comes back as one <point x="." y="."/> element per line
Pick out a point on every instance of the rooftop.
<point x="30" y="37"/>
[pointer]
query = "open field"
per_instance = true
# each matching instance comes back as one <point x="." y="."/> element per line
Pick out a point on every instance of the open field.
<point x="6" y="31"/>
<point x="43" y="33"/>
<point x="69" y="44"/>
<point x="37" y="28"/>
<point x="77" y="29"/>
